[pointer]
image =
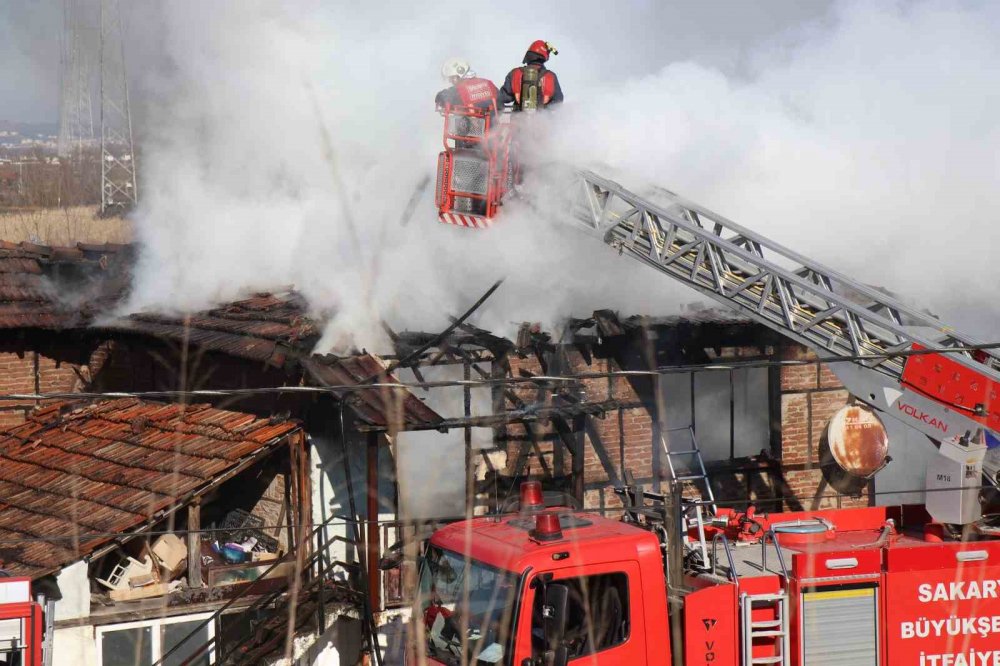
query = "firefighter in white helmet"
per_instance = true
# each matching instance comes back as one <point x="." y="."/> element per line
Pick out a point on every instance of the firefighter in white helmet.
<point x="466" y="89"/>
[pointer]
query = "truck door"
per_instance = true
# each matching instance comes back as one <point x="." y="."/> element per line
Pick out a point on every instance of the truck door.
<point x="605" y="623"/>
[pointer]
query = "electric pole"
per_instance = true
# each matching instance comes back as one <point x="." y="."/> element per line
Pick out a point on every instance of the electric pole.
<point x="118" y="182"/>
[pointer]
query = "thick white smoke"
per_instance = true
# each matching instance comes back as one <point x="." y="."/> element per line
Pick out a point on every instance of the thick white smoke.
<point x="867" y="140"/>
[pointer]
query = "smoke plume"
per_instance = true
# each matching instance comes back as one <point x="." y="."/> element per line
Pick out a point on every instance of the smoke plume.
<point x="283" y="143"/>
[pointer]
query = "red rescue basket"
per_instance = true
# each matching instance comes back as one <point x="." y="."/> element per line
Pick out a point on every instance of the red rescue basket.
<point x="475" y="169"/>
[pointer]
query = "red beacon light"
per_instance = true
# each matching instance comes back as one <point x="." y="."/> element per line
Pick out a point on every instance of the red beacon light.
<point x="546" y="527"/>
<point x="531" y="497"/>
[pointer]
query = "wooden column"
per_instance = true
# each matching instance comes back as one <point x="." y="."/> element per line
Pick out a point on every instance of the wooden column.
<point x="194" y="544"/>
<point x="579" y="435"/>
<point x="470" y="472"/>
<point x="303" y="486"/>
<point x="372" y="539"/>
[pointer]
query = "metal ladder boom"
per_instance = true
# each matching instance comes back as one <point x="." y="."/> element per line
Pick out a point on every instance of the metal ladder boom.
<point x="809" y="303"/>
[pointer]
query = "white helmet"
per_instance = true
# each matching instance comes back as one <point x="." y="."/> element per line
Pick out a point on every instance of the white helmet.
<point x="455" y="68"/>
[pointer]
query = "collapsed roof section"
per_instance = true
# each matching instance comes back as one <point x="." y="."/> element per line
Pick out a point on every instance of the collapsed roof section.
<point x="272" y="328"/>
<point x="48" y="287"/>
<point x="278" y="330"/>
<point x="75" y="474"/>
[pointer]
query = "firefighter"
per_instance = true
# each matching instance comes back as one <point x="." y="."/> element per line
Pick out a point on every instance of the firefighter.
<point x="466" y="89"/>
<point x="532" y="86"/>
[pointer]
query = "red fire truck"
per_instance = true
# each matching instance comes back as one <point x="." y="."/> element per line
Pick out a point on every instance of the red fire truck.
<point x="20" y="624"/>
<point x="476" y="168"/>
<point x="851" y="586"/>
<point x="680" y="582"/>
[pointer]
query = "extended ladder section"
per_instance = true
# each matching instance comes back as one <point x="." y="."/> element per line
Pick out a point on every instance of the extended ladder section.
<point x="764" y="626"/>
<point x="805" y="301"/>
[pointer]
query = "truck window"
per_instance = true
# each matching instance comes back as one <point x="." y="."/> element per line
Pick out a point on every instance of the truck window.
<point x="457" y="594"/>
<point x="597" y="615"/>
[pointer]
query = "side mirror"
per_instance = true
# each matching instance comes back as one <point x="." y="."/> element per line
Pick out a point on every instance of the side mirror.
<point x="556" y="602"/>
<point x="392" y="557"/>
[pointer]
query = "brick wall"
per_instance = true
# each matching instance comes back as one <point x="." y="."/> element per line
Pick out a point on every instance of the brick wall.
<point x="620" y="436"/>
<point x="810" y="396"/>
<point x="41" y="364"/>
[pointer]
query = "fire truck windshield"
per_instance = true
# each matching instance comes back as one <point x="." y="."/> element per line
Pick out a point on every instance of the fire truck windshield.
<point x="460" y="595"/>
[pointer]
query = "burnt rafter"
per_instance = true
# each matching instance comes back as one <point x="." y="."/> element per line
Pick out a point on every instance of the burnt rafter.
<point x="531" y="413"/>
<point x="467" y="344"/>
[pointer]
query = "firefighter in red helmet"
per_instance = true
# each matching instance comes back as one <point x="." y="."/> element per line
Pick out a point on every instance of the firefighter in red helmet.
<point x="466" y="89"/>
<point x="532" y="86"/>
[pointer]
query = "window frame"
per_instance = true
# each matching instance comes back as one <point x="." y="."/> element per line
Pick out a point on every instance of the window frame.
<point x="691" y="419"/>
<point x="157" y="624"/>
<point x="633" y="599"/>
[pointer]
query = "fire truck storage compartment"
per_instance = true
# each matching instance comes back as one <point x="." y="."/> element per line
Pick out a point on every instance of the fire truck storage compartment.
<point x="839" y="625"/>
<point x="943" y="603"/>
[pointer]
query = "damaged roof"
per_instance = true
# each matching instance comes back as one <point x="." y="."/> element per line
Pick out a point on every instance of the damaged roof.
<point x="49" y="287"/>
<point x="87" y="471"/>
<point x="278" y="330"/>
<point x="266" y="327"/>
<point x="608" y="324"/>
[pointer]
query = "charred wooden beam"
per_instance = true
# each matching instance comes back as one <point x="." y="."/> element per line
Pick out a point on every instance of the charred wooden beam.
<point x="530" y="414"/>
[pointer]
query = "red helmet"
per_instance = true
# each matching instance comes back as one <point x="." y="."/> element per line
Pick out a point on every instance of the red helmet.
<point x="542" y="48"/>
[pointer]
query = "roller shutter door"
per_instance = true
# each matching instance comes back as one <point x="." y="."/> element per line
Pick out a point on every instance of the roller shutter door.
<point x="840" y="627"/>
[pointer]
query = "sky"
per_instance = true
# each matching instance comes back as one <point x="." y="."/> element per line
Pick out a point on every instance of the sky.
<point x="648" y="32"/>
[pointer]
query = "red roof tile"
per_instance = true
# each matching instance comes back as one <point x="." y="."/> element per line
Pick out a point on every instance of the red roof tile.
<point x="277" y="329"/>
<point x="89" y="470"/>
<point x="34" y="282"/>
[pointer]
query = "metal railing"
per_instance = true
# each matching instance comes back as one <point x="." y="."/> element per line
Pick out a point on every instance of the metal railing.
<point x="777" y="549"/>
<point x="314" y="569"/>
<point x="733" y="574"/>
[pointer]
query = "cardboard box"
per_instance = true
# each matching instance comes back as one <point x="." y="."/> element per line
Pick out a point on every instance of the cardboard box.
<point x="263" y="557"/>
<point x="170" y="552"/>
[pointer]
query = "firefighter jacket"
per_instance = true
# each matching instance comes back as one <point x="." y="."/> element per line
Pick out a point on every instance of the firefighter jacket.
<point x="477" y="92"/>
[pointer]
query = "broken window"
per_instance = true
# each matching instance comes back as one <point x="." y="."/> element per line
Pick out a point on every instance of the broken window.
<point x="727" y="409"/>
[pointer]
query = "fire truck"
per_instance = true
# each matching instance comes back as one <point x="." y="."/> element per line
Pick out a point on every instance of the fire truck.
<point x="683" y="581"/>
<point x="21" y="623"/>
<point x="476" y="169"/>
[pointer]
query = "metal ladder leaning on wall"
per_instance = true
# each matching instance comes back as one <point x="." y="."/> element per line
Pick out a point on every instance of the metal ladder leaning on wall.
<point x="697" y="475"/>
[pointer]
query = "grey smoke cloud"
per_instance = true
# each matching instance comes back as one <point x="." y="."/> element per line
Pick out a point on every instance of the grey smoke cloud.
<point x="860" y="136"/>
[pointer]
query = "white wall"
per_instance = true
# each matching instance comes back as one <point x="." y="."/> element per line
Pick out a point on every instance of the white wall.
<point x="75" y="589"/>
<point x="329" y="480"/>
<point x="75" y="645"/>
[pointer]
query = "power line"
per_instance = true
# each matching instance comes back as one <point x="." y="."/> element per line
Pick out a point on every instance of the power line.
<point x="487" y="381"/>
<point x="334" y="520"/>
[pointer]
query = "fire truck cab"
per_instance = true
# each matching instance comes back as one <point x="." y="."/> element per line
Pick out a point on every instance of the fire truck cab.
<point x="21" y="624"/>
<point x="555" y="586"/>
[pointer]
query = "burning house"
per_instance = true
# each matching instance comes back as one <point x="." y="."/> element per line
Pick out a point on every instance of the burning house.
<point x="318" y="474"/>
